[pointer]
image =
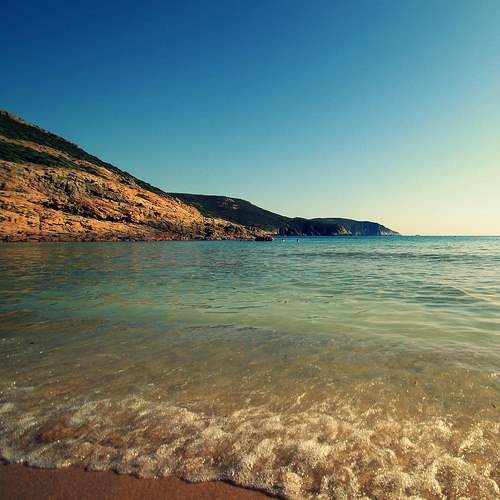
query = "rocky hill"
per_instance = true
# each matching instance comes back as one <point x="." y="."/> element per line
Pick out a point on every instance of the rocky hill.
<point x="360" y="228"/>
<point x="243" y="212"/>
<point x="52" y="190"/>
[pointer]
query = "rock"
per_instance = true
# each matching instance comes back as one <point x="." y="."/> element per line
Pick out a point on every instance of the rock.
<point x="67" y="198"/>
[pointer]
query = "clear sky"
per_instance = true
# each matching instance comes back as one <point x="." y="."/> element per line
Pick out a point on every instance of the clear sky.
<point x="367" y="109"/>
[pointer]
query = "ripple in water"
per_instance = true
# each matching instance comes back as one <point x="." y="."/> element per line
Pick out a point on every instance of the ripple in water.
<point x="308" y="370"/>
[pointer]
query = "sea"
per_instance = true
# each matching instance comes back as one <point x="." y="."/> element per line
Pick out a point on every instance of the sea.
<point x="310" y="368"/>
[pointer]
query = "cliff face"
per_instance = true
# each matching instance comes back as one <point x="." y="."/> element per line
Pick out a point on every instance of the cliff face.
<point x="51" y="190"/>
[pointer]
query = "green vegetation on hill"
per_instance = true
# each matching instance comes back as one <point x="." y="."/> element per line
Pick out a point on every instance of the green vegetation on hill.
<point x="21" y="154"/>
<point x="16" y="129"/>
<point x="247" y="214"/>
<point x="232" y="209"/>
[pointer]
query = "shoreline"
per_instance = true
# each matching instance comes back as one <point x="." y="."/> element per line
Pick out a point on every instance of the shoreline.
<point x="19" y="482"/>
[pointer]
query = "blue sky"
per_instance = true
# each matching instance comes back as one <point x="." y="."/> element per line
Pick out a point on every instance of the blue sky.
<point x="368" y="109"/>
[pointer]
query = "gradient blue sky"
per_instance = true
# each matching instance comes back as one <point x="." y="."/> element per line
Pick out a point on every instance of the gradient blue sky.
<point x="367" y="109"/>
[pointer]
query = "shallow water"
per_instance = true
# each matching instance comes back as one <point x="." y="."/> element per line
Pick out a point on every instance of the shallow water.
<point x="319" y="368"/>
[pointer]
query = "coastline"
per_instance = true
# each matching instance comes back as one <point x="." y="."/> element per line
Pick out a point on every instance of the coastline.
<point x="20" y="482"/>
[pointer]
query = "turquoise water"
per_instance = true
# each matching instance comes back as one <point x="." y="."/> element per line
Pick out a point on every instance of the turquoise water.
<point x="319" y="368"/>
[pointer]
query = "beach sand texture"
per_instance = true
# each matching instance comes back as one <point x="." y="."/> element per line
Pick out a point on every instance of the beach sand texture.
<point x="18" y="482"/>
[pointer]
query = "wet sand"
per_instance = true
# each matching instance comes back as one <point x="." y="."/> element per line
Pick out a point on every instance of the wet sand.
<point x="18" y="482"/>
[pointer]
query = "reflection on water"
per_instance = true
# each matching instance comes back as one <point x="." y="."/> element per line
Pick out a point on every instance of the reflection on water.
<point x="329" y="368"/>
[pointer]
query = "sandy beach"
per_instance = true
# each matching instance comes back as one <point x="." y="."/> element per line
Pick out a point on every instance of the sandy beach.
<point x="18" y="482"/>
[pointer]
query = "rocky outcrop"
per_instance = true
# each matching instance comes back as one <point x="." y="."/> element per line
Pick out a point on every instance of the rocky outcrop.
<point x="48" y="194"/>
<point x="360" y="228"/>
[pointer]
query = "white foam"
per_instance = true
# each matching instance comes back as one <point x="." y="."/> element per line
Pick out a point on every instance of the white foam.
<point x="311" y="454"/>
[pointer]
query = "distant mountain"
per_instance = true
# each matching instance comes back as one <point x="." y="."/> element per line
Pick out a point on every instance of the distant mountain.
<point x="52" y="190"/>
<point x="358" y="228"/>
<point x="243" y="212"/>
